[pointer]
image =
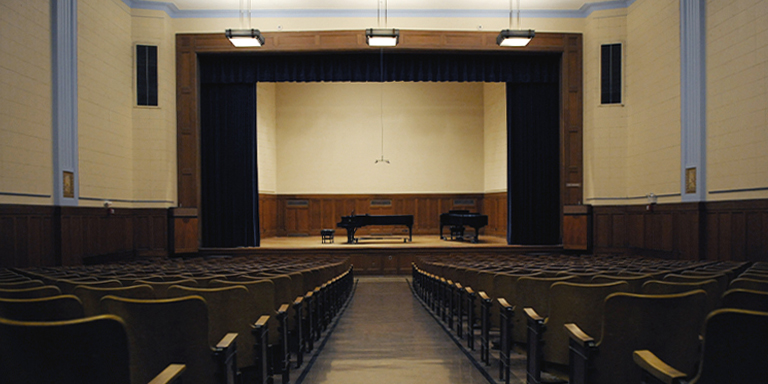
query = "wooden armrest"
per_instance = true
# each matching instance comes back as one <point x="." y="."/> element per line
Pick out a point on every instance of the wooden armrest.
<point x="469" y="290"/>
<point x="532" y="315"/>
<point x="458" y="285"/>
<point x="170" y="374"/>
<point x="577" y="335"/>
<point x="298" y="300"/>
<point x="503" y="303"/>
<point x="282" y="310"/>
<point x="309" y="295"/>
<point x="262" y="321"/>
<point x="226" y="341"/>
<point x="659" y="369"/>
<point x="484" y="296"/>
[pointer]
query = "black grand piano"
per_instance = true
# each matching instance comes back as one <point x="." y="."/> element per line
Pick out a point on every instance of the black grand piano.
<point x="353" y="222"/>
<point x="457" y="219"/>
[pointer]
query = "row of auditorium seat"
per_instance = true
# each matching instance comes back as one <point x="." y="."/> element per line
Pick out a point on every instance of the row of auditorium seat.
<point x="227" y="319"/>
<point x="580" y="318"/>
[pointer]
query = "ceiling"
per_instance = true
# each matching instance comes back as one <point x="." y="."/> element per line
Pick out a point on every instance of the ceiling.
<point x="539" y="5"/>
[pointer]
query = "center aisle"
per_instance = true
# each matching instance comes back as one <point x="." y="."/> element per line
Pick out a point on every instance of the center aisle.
<point x="386" y="336"/>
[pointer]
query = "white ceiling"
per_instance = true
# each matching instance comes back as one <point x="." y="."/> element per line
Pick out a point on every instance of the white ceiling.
<point x="558" y="5"/>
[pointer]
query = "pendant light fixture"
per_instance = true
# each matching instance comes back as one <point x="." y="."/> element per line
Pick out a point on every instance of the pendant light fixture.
<point x="245" y="37"/>
<point x="514" y="37"/>
<point x="382" y="37"/>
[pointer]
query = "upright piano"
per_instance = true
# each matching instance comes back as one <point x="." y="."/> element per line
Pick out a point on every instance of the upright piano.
<point x="353" y="222"/>
<point x="458" y="219"/>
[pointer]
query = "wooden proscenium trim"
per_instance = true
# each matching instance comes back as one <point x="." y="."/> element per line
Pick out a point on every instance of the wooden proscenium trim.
<point x="569" y="45"/>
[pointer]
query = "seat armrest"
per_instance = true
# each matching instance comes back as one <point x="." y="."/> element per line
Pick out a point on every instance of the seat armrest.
<point x="469" y="290"/>
<point x="531" y="314"/>
<point x="654" y="366"/>
<point x="483" y="296"/>
<point x="226" y="341"/>
<point x="576" y="334"/>
<point x="503" y="303"/>
<point x="282" y="310"/>
<point x="226" y="355"/>
<point x="171" y="374"/>
<point x="298" y="301"/>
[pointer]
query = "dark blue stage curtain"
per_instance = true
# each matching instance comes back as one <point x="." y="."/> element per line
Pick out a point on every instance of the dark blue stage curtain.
<point x="229" y="179"/>
<point x="533" y="150"/>
<point x="362" y="67"/>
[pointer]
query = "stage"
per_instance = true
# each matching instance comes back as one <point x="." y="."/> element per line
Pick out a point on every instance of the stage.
<point x="379" y="255"/>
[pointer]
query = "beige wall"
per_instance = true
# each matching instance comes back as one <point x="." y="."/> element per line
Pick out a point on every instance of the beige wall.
<point x="129" y="153"/>
<point x="737" y="98"/>
<point x="25" y="102"/>
<point x="329" y="136"/>
<point x="266" y="132"/>
<point x="105" y="90"/>
<point x="605" y="126"/>
<point x="653" y="99"/>
<point x="154" y="128"/>
<point x="495" y="137"/>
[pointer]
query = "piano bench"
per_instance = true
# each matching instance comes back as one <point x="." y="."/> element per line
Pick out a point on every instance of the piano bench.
<point x="327" y="235"/>
<point x="457" y="232"/>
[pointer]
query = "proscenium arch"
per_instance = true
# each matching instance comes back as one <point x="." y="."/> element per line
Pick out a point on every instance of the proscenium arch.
<point x="568" y="45"/>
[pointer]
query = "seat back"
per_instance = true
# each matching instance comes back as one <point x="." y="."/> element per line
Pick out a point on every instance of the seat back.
<point x="745" y="299"/>
<point x="30" y="293"/>
<point x="21" y="283"/>
<point x="230" y="310"/>
<point x="166" y="331"/>
<point x="161" y="287"/>
<point x="531" y="292"/>
<point x="68" y="286"/>
<point x="735" y="347"/>
<point x="750" y="284"/>
<point x="263" y="296"/>
<point x="711" y="287"/>
<point x="91" y="296"/>
<point x="87" y="350"/>
<point x="635" y="281"/>
<point x="721" y="278"/>
<point x="52" y="308"/>
<point x="667" y="325"/>
<point x="582" y="304"/>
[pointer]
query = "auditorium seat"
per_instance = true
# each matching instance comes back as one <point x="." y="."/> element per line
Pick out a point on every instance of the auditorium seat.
<point x="21" y="282"/>
<point x="669" y="325"/>
<point x="750" y="284"/>
<point x="161" y="287"/>
<point x="232" y="309"/>
<point x="68" y="285"/>
<point x="91" y="295"/>
<point x="711" y="287"/>
<point x="166" y="331"/>
<point x="547" y="341"/>
<point x="745" y="299"/>
<point x="734" y="351"/>
<point x="52" y="308"/>
<point x="30" y="293"/>
<point x="531" y="292"/>
<point x="634" y="280"/>
<point x="87" y="350"/>
<point x="721" y="278"/>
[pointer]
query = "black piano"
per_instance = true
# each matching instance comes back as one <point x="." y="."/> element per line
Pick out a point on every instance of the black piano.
<point x="353" y="222"/>
<point x="458" y="219"/>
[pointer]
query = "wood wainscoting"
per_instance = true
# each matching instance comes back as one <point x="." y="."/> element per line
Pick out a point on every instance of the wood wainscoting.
<point x="33" y="236"/>
<point x="733" y="230"/>
<point x="305" y="215"/>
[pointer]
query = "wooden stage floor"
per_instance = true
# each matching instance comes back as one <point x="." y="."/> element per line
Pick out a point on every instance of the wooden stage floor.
<point x="379" y="255"/>
<point x="373" y="241"/>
